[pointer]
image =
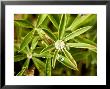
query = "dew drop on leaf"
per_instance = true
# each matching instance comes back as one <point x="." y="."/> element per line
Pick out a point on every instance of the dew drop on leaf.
<point x="62" y="59"/>
<point x="43" y="57"/>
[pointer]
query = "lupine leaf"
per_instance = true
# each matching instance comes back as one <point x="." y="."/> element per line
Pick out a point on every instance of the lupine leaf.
<point x="77" y="33"/>
<point x="19" y="58"/>
<point x="24" y="67"/>
<point x="48" y="48"/>
<point x="40" y="19"/>
<point x="82" y="45"/>
<point x="54" y="58"/>
<point x="70" y="19"/>
<point x="26" y="40"/>
<point x="44" y="54"/>
<point x="23" y="23"/>
<point x="50" y="34"/>
<point x="21" y="72"/>
<point x="65" y="61"/>
<point x="62" y="26"/>
<point x="78" y="21"/>
<point x="84" y="40"/>
<point x="48" y="66"/>
<point x="39" y="65"/>
<point x="69" y="56"/>
<point x="53" y="21"/>
<point x="34" y="42"/>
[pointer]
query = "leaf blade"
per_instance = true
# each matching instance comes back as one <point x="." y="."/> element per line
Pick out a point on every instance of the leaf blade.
<point x="62" y="26"/>
<point x="82" y="45"/>
<point x="65" y="61"/>
<point x="48" y="48"/>
<point x="19" y="58"/>
<point x="48" y="67"/>
<point x="26" y="40"/>
<point x="50" y="34"/>
<point x="76" y="33"/>
<point x="24" y="67"/>
<point x="34" y="43"/>
<point x="84" y="40"/>
<point x="54" y="22"/>
<point x="54" y="58"/>
<point x="23" y="23"/>
<point x="69" y="56"/>
<point x="78" y="21"/>
<point x="39" y="65"/>
<point x="40" y="19"/>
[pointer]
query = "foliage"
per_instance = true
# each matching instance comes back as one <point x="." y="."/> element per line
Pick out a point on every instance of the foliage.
<point x="55" y="44"/>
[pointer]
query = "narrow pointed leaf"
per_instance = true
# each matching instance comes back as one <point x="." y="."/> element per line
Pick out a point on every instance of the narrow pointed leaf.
<point x="74" y="21"/>
<point x="50" y="34"/>
<point x="54" y="58"/>
<point x="26" y="40"/>
<point x="48" y="48"/>
<point x="69" y="56"/>
<point x="34" y="42"/>
<point x="54" y="22"/>
<point x="65" y="61"/>
<point x="70" y="19"/>
<point x="23" y="23"/>
<point x="84" y="40"/>
<point x="78" y="21"/>
<point x="26" y="64"/>
<point x="40" y="19"/>
<point x="24" y="67"/>
<point x="48" y="67"/>
<point x="21" y="72"/>
<point x="77" y="33"/>
<point x="82" y="45"/>
<point x="62" y="26"/>
<point x="39" y="65"/>
<point x="19" y="58"/>
<point x="45" y="55"/>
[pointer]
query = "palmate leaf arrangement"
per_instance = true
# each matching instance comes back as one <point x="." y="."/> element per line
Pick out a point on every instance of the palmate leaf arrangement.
<point x="56" y="44"/>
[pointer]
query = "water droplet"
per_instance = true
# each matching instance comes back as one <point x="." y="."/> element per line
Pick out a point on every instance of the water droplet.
<point x="62" y="59"/>
<point x="31" y="47"/>
<point x="43" y="57"/>
<point x="29" y="56"/>
<point x="59" y="44"/>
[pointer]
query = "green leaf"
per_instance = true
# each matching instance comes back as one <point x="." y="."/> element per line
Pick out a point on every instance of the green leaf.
<point x="54" y="58"/>
<point x="26" y="64"/>
<point x="43" y="36"/>
<point x="69" y="56"/>
<point x="92" y="19"/>
<point x="77" y="33"/>
<point x="34" y="43"/>
<point x="24" y="67"/>
<point x="70" y="19"/>
<point x="65" y="61"/>
<point x="19" y="58"/>
<point x="82" y="45"/>
<point x="26" y="40"/>
<point x="23" y="23"/>
<point x="48" y="48"/>
<point x="48" y="67"/>
<point x="50" y="34"/>
<point x="84" y="40"/>
<point x="62" y="26"/>
<point x="78" y="21"/>
<point x="39" y="65"/>
<point x="21" y="72"/>
<point x="44" y="54"/>
<point x="53" y="21"/>
<point x="40" y="19"/>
